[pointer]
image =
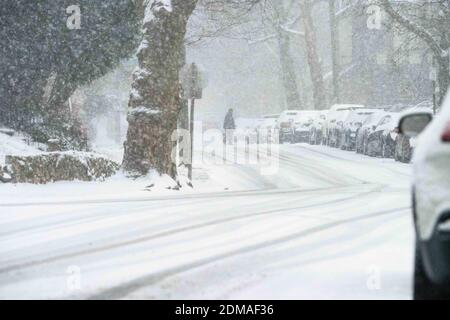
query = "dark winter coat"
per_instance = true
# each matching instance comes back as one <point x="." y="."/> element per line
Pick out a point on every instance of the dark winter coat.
<point x="229" y="121"/>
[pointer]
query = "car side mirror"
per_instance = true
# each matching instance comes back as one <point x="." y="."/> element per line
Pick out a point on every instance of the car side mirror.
<point x="412" y="125"/>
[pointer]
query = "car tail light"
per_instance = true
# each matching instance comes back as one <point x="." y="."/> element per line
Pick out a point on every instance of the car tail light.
<point x="446" y="134"/>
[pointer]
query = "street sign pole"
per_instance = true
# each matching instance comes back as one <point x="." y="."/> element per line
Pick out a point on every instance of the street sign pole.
<point x="191" y="132"/>
<point x="192" y="83"/>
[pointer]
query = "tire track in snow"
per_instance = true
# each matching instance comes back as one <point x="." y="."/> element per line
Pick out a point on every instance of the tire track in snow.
<point x="121" y="291"/>
<point x="181" y="230"/>
<point x="327" y="155"/>
<point x="184" y="197"/>
<point x="318" y="172"/>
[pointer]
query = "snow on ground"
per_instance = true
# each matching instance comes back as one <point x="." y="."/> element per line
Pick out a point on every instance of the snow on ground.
<point x="326" y="225"/>
<point x="14" y="146"/>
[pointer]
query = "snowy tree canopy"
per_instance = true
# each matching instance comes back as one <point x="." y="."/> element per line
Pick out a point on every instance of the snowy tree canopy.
<point x="43" y="60"/>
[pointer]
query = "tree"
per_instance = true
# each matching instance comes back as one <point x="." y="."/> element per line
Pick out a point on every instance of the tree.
<point x="279" y="18"/>
<point x="432" y="29"/>
<point x="155" y="100"/>
<point x="334" y="38"/>
<point x="314" y="62"/>
<point x="42" y="61"/>
<point x="289" y="76"/>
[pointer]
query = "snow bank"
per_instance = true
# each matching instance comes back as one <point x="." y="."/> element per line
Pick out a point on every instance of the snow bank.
<point x="10" y="145"/>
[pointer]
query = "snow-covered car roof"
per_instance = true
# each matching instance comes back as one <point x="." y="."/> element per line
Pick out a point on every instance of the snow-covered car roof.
<point x="393" y="123"/>
<point x="289" y="114"/>
<point x="374" y="118"/>
<point x="339" y="107"/>
<point x="268" y="120"/>
<point x="307" y="115"/>
<point x="359" y="115"/>
<point x="270" y="116"/>
<point x="342" y="115"/>
<point x="339" y="112"/>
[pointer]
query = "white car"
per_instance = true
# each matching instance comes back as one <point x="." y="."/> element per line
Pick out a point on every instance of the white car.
<point x="302" y="125"/>
<point x="316" y="129"/>
<point x="350" y="126"/>
<point x="286" y="125"/>
<point x="268" y="121"/>
<point x="267" y="128"/>
<point x="431" y="205"/>
<point x="336" y="112"/>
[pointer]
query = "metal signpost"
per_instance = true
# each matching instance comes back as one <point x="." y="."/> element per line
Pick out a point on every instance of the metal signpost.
<point x="192" y="84"/>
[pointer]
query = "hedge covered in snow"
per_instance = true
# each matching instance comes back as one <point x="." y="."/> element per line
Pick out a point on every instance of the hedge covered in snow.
<point x="57" y="166"/>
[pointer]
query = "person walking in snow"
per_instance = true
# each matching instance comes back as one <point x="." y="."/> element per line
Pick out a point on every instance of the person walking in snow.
<point x="229" y="126"/>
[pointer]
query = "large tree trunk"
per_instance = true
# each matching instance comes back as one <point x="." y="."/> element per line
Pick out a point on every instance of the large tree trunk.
<point x="334" y="34"/>
<point x="288" y="73"/>
<point x="61" y="91"/>
<point x="155" y="98"/>
<point x="288" y="70"/>
<point x="314" y="63"/>
<point x="183" y="117"/>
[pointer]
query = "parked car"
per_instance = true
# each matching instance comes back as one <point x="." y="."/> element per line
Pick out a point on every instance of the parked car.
<point x="431" y="200"/>
<point x="374" y="140"/>
<point x="367" y="127"/>
<point x="404" y="145"/>
<point x="335" y="129"/>
<point x="352" y="123"/>
<point x="316" y="128"/>
<point x="286" y="125"/>
<point x="403" y="149"/>
<point x="266" y="127"/>
<point x="302" y="125"/>
<point x="389" y="136"/>
<point x="336" y="114"/>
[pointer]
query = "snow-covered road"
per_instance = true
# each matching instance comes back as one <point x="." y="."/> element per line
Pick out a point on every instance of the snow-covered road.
<point x="330" y="224"/>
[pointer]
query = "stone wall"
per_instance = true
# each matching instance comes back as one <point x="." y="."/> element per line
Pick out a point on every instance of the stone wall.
<point x="58" y="166"/>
